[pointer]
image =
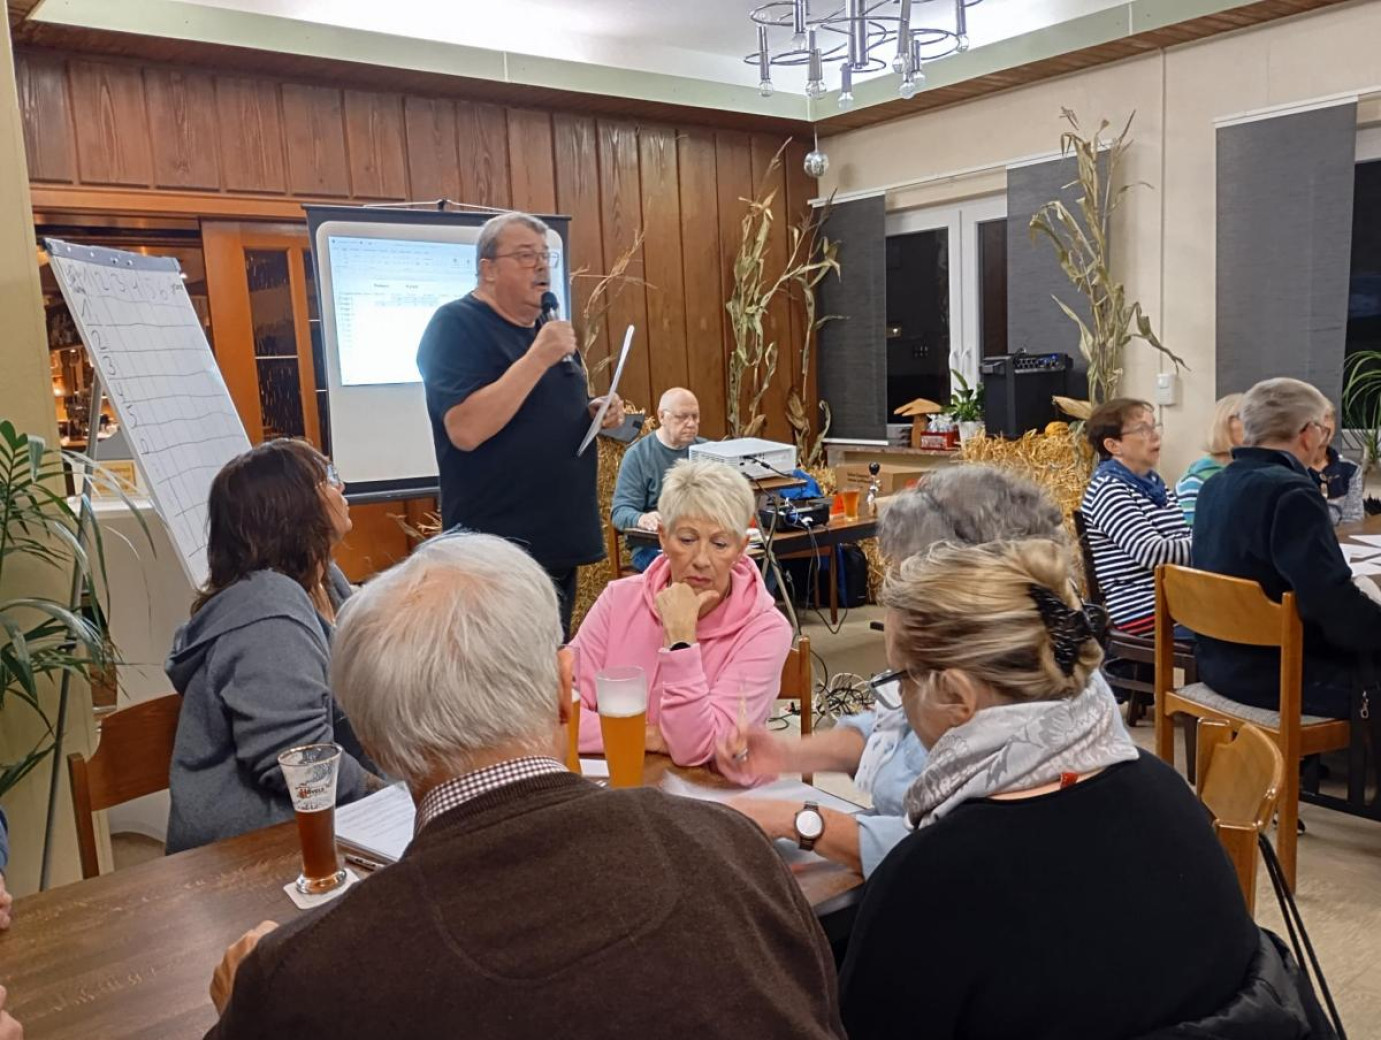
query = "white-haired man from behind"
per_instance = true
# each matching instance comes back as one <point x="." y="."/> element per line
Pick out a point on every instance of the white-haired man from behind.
<point x="531" y="902"/>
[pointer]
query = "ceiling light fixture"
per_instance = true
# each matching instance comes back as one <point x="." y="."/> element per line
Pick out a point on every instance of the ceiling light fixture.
<point x="854" y="35"/>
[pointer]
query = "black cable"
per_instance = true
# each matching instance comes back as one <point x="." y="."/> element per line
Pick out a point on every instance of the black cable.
<point x="833" y="630"/>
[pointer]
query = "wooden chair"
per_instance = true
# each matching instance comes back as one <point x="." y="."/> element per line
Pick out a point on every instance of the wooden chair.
<point x="1121" y="646"/>
<point x="132" y="760"/>
<point x="1238" y="611"/>
<point x="1240" y="782"/>
<point x="613" y="544"/>
<point x="798" y="684"/>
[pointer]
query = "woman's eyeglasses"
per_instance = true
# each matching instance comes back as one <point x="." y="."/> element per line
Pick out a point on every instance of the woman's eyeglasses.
<point x="333" y="478"/>
<point x="886" y="688"/>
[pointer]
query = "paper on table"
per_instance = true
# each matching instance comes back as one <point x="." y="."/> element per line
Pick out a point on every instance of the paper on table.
<point x="380" y="824"/>
<point x="613" y="388"/>
<point x="1365" y="568"/>
<point x="1368" y="539"/>
<point x="785" y="790"/>
<point x="1358" y="552"/>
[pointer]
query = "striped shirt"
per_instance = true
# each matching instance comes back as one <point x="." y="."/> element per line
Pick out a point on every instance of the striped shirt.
<point x="1130" y="536"/>
<point x="461" y="789"/>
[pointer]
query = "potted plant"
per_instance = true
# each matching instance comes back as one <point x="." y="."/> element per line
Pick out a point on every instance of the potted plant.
<point x="46" y="643"/>
<point x="966" y="407"/>
<point x="1361" y="418"/>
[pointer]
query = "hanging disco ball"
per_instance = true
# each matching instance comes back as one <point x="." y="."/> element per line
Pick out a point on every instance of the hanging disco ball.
<point x="817" y="162"/>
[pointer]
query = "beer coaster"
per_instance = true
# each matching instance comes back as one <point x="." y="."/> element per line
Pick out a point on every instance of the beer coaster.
<point x="307" y="902"/>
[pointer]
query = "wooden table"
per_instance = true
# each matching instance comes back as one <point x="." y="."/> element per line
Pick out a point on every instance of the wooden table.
<point x="1370" y="525"/>
<point x="130" y="954"/>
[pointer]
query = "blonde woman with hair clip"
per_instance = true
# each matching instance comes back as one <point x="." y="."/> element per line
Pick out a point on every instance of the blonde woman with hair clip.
<point x="1005" y="914"/>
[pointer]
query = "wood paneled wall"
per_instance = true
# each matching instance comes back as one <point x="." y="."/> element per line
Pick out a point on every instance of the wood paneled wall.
<point x="97" y="124"/>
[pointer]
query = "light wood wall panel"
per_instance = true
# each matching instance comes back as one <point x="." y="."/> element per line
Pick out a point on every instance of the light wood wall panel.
<point x="315" y="133"/>
<point x="251" y="135"/>
<point x="182" y="106"/>
<point x="621" y="205"/>
<point x="433" y="166"/>
<point x="700" y="266"/>
<point x="374" y="137"/>
<point x="176" y="135"/>
<point x="666" y="294"/>
<point x="577" y="196"/>
<point x="482" y="133"/>
<point x="47" y="118"/>
<point x="532" y="174"/>
<point x="112" y="128"/>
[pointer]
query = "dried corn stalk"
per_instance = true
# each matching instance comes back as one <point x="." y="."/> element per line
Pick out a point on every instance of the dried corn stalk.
<point x="608" y="288"/>
<point x="1082" y="248"/>
<point x="753" y="360"/>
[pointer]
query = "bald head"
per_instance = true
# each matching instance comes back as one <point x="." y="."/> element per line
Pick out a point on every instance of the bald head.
<point x="678" y="418"/>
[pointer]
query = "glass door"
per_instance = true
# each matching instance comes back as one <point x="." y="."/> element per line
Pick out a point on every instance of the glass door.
<point x="263" y="304"/>
<point x="948" y="292"/>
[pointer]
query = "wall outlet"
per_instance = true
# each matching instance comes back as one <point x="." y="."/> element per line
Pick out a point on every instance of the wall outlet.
<point x="1166" y="385"/>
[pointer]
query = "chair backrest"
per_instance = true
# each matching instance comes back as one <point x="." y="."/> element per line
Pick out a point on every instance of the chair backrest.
<point x="133" y="759"/>
<point x="1240" y="781"/>
<point x="1234" y="610"/>
<point x="798" y="683"/>
<point x="1095" y="594"/>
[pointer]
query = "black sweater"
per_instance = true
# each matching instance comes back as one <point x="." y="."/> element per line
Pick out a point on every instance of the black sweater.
<point x="552" y="908"/>
<point x="1263" y="518"/>
<point x="1102" y="912"/>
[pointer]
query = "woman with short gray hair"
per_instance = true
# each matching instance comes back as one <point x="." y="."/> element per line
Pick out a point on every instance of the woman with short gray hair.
<point x="699" y="622"/>
<point x="964" y="505"/>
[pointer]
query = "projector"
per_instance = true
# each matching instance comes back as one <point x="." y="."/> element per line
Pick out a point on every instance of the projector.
<point x="754" y="457"/>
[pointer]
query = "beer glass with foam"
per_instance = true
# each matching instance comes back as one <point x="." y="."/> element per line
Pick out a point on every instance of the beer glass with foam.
<point x="311" y="772"/>
<point x="621" y="696"/>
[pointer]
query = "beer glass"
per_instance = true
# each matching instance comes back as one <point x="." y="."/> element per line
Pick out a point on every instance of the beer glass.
<point x="621" y="696"/>
<point x="850" y="503"/>
<point x="311" y="772"/>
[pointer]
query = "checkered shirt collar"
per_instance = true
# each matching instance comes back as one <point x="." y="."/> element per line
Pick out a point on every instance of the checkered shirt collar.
<point x="461" y="789"/>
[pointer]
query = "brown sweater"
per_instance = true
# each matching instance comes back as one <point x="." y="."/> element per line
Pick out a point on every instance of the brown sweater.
<point x="552" y="908"/>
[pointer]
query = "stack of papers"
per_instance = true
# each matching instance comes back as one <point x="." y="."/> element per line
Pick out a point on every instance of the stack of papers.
<point x="1363" y="554"/>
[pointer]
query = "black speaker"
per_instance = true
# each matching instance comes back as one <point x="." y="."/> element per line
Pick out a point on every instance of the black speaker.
<point x="1017" y="391"/>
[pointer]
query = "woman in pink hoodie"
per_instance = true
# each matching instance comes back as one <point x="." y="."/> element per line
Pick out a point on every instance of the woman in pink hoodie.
<point x="699" y="622"/>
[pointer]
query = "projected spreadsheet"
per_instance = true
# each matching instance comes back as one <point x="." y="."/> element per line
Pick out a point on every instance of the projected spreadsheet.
<point x="386" y="290"/>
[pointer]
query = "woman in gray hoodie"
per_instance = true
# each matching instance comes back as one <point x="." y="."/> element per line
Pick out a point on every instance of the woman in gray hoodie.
<point x="252" y="663"/>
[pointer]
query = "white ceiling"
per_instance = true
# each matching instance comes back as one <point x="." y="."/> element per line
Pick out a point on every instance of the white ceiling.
<point x="703" y="39"/>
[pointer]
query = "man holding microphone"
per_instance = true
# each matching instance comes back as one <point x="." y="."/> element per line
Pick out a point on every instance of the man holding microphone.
<point x="507" y="398"/>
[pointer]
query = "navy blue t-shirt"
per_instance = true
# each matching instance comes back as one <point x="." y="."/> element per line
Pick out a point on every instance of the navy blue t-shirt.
<point x="525" y="483"/>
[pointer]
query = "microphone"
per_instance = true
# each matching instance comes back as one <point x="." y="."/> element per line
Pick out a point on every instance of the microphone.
<point x="551" y="311"/>
<point x="551" y="307"/>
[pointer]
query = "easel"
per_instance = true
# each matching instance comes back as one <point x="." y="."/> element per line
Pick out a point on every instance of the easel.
<point x="85" y="517"/>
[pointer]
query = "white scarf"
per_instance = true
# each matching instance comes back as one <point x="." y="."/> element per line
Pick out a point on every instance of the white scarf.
<point x="1013" y="747"/>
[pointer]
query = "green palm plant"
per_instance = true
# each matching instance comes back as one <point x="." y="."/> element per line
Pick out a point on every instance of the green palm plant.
<point x="1362" y="401"/>
<point x="44" y="641"/>
<point x="1082" y="245"/>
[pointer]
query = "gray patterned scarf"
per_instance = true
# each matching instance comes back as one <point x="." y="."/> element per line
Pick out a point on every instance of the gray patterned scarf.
<point x="1013" y="747"/>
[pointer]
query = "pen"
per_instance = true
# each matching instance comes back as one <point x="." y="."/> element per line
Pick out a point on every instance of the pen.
<point x="367" y="864"/>
<point x="742" y="753"/>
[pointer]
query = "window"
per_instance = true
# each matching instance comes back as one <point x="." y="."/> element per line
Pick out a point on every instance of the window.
<point x="1364" y="290"/>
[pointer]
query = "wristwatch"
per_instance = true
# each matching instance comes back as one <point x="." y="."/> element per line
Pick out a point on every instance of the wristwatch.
<point x="810" y="825"/>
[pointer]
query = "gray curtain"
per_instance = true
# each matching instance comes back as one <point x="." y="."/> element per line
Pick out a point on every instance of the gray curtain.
<point x="1034" y="323"/>
<point x="853" y="352"/>
<point x="1284" y="248"/>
